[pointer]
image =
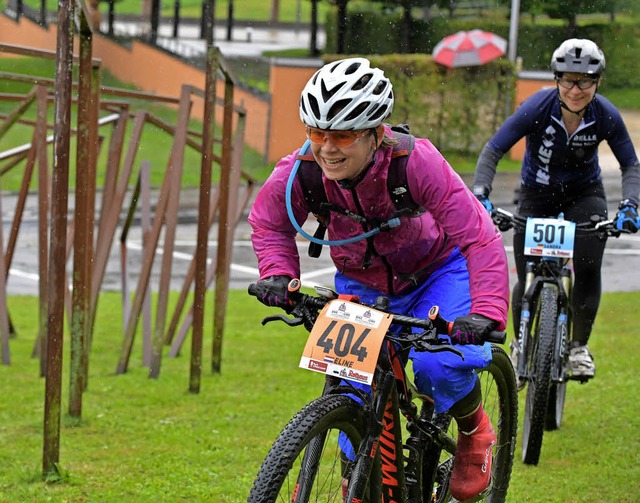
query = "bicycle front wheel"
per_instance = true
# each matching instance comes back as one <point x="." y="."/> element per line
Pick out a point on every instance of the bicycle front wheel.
<point x="558" y="390"/>
<point x="539" y="361"/>
<point x="306" y="463"/>
<point x="555" y="408"/>
<point x="500" y="402"/>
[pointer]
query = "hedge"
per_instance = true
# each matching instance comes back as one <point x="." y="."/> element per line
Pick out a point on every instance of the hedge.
<point x="457" y="109"/>
<point x="536" y="43"/>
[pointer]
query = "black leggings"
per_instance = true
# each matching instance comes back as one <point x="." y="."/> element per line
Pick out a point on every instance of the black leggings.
<point x="587" y="253"/>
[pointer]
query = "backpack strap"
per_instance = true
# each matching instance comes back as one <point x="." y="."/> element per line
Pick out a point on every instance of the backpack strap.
<point x="310" y="177"/>
<point x="397" y="184"/>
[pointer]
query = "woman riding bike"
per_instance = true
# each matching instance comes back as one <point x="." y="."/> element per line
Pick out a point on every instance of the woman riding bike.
<point x="448" y="254"/>
<point x="563" y="127"/>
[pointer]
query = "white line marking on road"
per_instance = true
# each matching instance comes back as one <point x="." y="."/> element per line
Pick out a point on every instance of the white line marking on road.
<point x="306" y="277"/>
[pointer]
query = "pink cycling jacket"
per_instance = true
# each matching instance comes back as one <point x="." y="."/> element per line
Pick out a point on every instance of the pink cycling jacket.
<point x="402" y="255"/>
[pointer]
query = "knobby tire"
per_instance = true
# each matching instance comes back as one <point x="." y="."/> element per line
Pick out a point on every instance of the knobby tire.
<point x="307" y="450"/>
<point x="558" y="390"/>
<point x="539" y="361"/>
<point x="555" y="408"/>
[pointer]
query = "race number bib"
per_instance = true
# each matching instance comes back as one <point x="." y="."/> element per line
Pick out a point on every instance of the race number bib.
<point x="549" y="237"/>
<point x="345" y="341"/>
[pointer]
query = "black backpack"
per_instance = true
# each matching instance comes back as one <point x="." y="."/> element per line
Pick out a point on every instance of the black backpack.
<point x="310" y="176"/>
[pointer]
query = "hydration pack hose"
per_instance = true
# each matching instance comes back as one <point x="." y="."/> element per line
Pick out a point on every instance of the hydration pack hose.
<point x="393" y="222"/>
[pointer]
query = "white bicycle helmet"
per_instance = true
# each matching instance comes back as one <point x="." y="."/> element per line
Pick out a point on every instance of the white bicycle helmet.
<point x="346" y="95"/>
<point x="578" y="55"/>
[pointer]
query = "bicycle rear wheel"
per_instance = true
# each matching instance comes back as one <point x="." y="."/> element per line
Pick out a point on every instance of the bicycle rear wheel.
<point x="305" y="462"/>
<point x="539" y="360"/>
<point x="500" y="402"/>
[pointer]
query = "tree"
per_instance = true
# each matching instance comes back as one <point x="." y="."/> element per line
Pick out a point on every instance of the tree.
<point x="341" y="31"/>
<point x="569" y="10"/>
<point x="313" y="39"/>
<point x="275" y="11"/>
<point x="155" y="21"/>
<point x="111" y="14"/>
<point x="532" y="7"/>
<point x="407" y="18"/>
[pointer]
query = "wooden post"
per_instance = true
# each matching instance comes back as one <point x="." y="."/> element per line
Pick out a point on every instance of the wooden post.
<point x="200" y="287"/>
<point x="59" y="206"/>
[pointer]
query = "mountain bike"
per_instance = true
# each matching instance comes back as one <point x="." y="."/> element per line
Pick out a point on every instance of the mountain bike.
<point x="347" y="444"/>
<point x="545" y="327"/>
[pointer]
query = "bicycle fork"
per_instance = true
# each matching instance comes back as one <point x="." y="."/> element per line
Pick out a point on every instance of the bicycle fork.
<point x="562" y="326"/>
<point x="525" y="320"/>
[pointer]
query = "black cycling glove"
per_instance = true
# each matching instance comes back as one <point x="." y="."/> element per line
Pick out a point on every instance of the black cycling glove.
<point x="273" y="291"/>
<point x="471" y="329"/>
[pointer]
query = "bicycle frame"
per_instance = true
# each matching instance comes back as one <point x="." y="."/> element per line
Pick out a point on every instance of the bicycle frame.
<point x="549" y="270"/>
<point x="310" y="457"/>
<point x="382" y="449"/>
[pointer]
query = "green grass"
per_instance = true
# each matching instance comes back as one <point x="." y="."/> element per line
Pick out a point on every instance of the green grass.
<point x="623" y="98"/>
<point x="150" y="440"/>
<point x="155" y="143"/>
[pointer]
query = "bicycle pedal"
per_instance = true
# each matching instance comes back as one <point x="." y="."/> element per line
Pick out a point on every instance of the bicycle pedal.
<point x="582" y="379"/>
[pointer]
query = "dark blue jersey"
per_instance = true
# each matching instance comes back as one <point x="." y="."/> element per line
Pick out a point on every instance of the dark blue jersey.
<point x="555" y="160"/>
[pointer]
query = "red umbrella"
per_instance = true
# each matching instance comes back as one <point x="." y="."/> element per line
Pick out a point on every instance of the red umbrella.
<point x="469" y="48"/>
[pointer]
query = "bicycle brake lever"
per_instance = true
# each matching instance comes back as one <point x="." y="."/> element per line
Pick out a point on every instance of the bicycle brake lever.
<point x="439" y="348"/>
<point x="416" y="341"/>
<point x="292" y="322"/>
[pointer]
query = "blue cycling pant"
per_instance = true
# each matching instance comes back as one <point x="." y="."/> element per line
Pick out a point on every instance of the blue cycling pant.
<point x="444" y="376"/>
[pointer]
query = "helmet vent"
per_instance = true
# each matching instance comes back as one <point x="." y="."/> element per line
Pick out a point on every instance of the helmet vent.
<point x="381" y="113"/>
<point x="313" y="103"/>
<point x="357" y="111"/>
<point x="353" y="68"/>
<point x="326" y="93"/>
<point x="379" y="89"/>
<point x="362" y="82"/>
<point x="337" y="108"/>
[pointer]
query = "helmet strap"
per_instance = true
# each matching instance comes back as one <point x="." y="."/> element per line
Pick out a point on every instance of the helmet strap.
<point x="566" y="107"/>
<point x="379" y="135"/>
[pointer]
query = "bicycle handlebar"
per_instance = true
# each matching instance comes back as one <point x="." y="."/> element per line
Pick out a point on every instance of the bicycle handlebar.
<point x="506" y="220"/>
<point x="305" y="309"/>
